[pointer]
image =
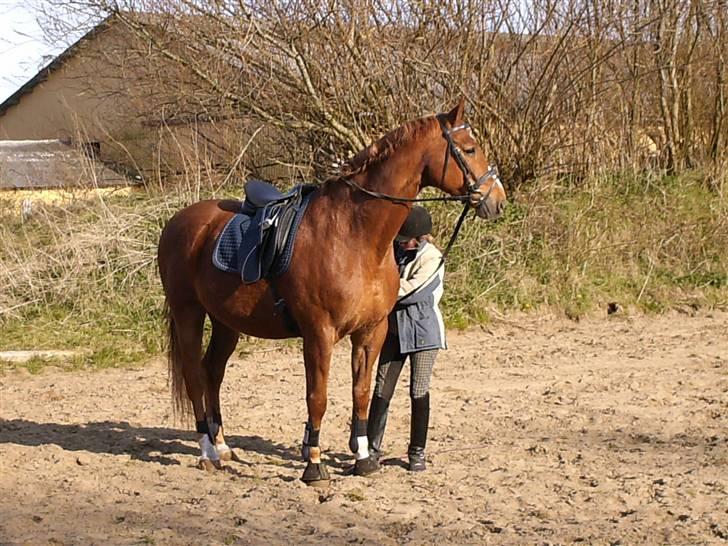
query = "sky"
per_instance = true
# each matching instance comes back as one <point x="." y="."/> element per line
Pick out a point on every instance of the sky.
<point x="23" y="47"/>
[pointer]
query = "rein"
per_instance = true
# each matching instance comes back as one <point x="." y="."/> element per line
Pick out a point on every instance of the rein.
<point x="472" y="181"/>
<point x="455" y="233"/>
<point x="393" y="199"/>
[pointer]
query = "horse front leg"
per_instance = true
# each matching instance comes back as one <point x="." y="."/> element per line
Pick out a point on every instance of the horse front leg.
<point x="365" y="348"/>
<point x="317" y="348"/>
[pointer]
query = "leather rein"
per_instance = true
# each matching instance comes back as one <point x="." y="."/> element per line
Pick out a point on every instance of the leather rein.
<point x="472" y="181"/>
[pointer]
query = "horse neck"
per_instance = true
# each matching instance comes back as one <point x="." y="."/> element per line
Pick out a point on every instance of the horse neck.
<point x="373" y="221"/>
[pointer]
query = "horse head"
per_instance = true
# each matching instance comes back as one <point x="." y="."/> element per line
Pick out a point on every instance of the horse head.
<point x="455" y="163"/>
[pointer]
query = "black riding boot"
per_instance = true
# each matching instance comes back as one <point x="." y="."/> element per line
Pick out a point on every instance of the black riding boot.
<point x="376" y="424"/>
<point x="418" y="433"/>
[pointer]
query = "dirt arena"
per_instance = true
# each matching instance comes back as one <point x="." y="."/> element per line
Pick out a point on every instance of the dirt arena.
<point x="543" y="431"/>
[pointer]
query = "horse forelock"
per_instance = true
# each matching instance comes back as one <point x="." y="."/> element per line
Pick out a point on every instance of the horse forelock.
<point x="386" y="146"/>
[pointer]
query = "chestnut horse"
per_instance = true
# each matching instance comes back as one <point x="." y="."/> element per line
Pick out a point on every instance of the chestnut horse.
<point x="342" y="279"/>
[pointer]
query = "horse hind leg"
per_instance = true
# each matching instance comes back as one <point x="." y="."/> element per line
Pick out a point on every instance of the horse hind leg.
<point x="223" y="341"/>
<point x="187" y="375"/>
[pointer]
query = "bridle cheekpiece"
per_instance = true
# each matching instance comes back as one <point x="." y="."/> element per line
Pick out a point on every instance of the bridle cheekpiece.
<point x="473" y="182"/>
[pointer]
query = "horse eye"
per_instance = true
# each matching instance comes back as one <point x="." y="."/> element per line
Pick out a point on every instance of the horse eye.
<point x="469" y="151"/>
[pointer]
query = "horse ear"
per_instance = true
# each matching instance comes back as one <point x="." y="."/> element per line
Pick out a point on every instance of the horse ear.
<point x="455" y="116"/>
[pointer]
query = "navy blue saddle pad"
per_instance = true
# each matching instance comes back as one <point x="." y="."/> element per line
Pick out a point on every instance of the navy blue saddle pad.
<point x="238" y="248"/>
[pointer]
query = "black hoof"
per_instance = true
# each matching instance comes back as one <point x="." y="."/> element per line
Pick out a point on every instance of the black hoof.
<point x="364" y="467"/>
<point x="315" y="474"/>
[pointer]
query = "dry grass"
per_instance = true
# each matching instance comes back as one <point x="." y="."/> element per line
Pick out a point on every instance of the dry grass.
<point x="83" y="273"/>
<point x="649" y="244"/>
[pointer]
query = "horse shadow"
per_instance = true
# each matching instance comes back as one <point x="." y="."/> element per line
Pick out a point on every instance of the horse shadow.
<point x="148" y="444"/>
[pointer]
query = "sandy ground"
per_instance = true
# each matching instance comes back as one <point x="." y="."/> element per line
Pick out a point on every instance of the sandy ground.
<point x="544" y="431"/>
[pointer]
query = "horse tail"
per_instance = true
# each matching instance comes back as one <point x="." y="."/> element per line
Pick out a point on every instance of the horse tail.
<point x="180" y="401"/>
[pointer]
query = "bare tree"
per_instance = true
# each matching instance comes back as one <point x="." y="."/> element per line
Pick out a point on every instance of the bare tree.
<point x="568" y="87"/>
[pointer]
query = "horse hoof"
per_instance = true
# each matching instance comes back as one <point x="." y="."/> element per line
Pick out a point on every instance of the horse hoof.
<point x="225" y="453"/>
<point x="316" y="475"/>
<point x="319" y="484"/>
<point x="364" y="467"/>
<point x="208" y="466"/>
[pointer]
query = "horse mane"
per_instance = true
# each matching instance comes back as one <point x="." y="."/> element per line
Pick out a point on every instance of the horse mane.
<point x="384" y="147"/>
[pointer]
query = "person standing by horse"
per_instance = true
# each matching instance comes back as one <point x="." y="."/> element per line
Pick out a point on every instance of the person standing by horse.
<point x="416" y="330"/>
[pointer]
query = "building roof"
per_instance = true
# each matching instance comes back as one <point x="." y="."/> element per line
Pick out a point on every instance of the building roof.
<point x="52" y="66"/>
<point x="37" y="164"/>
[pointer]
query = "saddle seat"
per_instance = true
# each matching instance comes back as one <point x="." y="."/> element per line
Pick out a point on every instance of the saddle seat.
<point x="259" y="193"/>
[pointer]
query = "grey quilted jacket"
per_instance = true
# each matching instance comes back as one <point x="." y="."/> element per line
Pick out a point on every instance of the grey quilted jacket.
<point x="416" y="315"/>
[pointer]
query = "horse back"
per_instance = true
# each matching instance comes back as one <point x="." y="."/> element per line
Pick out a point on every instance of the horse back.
<point x="186" y="234"/>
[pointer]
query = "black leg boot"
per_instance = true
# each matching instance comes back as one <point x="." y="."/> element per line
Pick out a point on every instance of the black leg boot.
<point x="418" y="433"/>
<point x="376" y="424"/>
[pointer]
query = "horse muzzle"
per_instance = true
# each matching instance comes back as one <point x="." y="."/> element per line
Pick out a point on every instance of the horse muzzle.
<point x="488" y="207"/>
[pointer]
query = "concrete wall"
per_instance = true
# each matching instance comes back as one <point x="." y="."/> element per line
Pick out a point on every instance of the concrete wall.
<point x="105" y="92"/>
<point x="78" y="98"/>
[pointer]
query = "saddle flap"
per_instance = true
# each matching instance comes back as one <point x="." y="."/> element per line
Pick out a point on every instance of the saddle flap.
<point x="259" y="193"/>
<point x="250" y="266"/>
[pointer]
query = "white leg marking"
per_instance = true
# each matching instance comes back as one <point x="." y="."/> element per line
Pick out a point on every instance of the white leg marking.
<point x="207" y="448"/>
<point x="363" y="451"/>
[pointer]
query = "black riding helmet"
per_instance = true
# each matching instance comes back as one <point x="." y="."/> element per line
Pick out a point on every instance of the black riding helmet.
<point x="417" y="224"/>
